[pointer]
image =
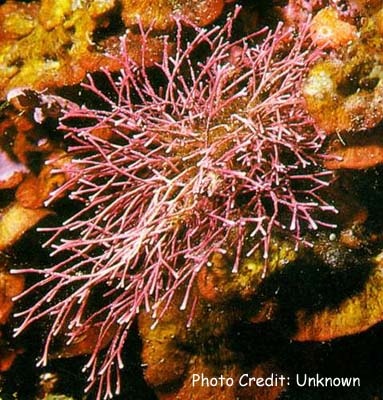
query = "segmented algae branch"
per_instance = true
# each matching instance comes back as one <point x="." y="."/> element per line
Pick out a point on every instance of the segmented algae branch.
<point x="210" y="153"/>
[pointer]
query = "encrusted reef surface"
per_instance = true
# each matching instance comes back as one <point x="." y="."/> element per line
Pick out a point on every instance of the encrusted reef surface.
<point x="50" y="44"/>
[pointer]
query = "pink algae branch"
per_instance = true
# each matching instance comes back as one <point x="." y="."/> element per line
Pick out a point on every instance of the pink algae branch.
<point x="211" y="151"/>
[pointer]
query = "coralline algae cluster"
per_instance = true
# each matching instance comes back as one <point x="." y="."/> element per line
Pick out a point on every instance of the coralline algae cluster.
<point x="214" y="160"/>
<point x="198" y="168"/>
